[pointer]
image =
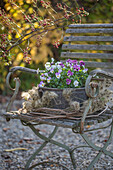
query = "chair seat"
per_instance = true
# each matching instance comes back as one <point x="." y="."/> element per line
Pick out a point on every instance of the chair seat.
<point x="66" y="123"/>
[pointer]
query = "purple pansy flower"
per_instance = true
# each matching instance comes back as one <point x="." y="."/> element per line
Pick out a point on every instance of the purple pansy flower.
<point x="52" y="70"/>
<point x="76" y="67"/>
<point x="68" y="81"/>
<point x="41" y="84"/>
<point x="74" y="61"/>
<point x="81" y="63"/>
<point x="62" y="65"/>
<point x="69" y="73"/>
<point x="69" y="61"/>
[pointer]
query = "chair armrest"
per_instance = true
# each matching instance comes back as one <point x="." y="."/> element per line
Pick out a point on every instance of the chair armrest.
<point x="17" y="82"/>
<point x="92" y="91"/>
<point x="18" y="68"/>
<point x="89" y="85"/>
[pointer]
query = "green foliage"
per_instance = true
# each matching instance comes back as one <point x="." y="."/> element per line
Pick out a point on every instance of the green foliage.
<point x="101" y="11"/>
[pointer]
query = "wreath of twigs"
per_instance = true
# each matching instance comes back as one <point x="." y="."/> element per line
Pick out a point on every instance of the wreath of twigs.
<point x="45" y="111"/>
<point x="50" y="113"/>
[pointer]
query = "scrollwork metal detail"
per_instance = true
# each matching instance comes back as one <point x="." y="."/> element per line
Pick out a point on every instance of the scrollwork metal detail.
<point x="18" y="82"/>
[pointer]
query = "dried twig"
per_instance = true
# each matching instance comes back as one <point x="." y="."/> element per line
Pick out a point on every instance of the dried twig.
<point x="15" y="149"/>
<point x="51" y="110"/>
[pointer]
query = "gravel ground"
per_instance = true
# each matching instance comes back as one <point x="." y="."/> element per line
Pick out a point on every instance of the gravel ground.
<point x="15" y="135"/>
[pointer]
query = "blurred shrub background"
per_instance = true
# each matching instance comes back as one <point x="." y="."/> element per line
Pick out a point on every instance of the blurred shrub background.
<point x="101" y="11"/>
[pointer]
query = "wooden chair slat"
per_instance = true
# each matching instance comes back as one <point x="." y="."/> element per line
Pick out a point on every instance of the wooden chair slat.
<point x="87" y="47"/>
<point x="99" y="64"/>
<point x="91" y="26"/>
<point x="87" y="30"/>
<point x="78" y="55"/>
<point x="88" y="38"/>
<point x="91" y="36"/>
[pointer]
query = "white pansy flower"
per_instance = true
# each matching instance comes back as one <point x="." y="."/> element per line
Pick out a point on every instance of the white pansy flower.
<point x="85" y="70"/>
<point x="42" y="78"/>
<point x="58" y="62"/>
<point x="60" y="70"/>
<point x="76" y="83"/>
<point x="46" y="74"/>
<point x="47" y="63"/>
<point x="53" y="66"/>
<point x="48" y="66"/>
<point x="57" y="75"/>
<point x="48" y="80"/>
<point x="71" y="67"/>
<point x="59" y="67"/>
<point x="42" y="85"/>
<point x="52" y="60"/>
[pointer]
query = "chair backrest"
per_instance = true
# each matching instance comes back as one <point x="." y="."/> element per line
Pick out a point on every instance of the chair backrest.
<point x="92" y="43"/>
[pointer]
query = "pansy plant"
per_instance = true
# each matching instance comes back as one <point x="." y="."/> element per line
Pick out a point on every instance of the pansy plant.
<point x="71" y="74"/>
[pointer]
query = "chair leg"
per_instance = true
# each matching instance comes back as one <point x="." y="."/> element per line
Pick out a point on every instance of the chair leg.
<point x="40" y="148"/>
<point x="49" y="140"/>
<point x="101" y="150"/>
<point x="70" y="151"/>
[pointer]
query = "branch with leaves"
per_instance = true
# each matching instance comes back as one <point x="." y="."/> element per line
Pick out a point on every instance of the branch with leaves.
<point x="33" y="24"/>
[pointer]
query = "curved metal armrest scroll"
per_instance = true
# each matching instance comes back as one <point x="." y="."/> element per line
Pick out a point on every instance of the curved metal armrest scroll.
<point x="17" y="82"/>
<point x="18" y="68"/>
<point x="89" y="85"/>
<point x="92" y="91"/>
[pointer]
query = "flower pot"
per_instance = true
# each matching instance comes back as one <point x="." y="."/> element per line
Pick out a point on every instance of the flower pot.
<point x="64" y="96"/>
